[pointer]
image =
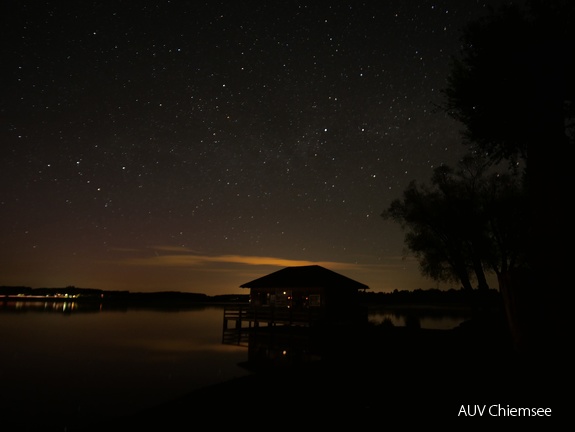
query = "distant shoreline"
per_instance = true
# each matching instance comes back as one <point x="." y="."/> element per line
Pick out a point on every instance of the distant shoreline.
<point x="432" y="299"/>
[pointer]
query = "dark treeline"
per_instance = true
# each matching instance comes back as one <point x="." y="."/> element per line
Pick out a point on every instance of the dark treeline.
<point x="99" y="295"/>
<point x="433" y="297"/>
<point x="419" y="297"/>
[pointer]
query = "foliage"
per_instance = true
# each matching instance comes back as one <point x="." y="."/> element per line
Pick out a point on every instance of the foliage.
<point x="469" y="221"/>
<point x="513" y="88"/>
<point x="513" y="84"/>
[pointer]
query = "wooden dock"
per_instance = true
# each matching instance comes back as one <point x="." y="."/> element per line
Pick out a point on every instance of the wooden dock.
<point x="246" y="316"/>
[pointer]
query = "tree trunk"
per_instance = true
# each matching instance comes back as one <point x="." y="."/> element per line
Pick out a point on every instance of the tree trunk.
<point x="550" y="181"/>
<point x="480" y="275"/>
<point x="517" y="295"/>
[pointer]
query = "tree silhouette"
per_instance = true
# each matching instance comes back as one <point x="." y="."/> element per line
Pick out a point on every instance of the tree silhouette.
<point x="425" y="215"/>
<point x="512" y="85"/>
<point x="468" y="222"/>
<point x="513" y="88"/>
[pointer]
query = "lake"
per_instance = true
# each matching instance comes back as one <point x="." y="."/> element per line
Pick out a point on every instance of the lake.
<point x="61" y="365"/>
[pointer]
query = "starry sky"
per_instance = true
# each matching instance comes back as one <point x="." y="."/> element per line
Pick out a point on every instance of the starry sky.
<point x="194" y="146"/>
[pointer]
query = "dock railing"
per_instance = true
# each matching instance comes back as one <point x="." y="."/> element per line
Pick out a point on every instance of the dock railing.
<point x="242" y="315"/>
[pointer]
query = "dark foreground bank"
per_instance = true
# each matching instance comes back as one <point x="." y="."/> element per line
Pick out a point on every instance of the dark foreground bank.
<point x="371" y="378"/>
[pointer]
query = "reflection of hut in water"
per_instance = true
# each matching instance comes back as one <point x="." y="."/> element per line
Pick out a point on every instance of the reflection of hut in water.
<point x="300" y="296"/>
<point x="281" y="347"/>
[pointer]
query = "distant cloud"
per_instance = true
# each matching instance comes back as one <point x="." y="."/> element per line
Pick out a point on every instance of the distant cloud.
<point x="186" y="258"/>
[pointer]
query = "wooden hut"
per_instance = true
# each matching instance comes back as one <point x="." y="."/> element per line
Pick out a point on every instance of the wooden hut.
<point x="303" y="295"/>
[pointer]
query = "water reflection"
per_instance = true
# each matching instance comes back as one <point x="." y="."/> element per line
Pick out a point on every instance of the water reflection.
<point x="80" y="360"/>
<point x="439" y="318"/>
<point x="71" y="367"/>
<point x="273" y="347"/>
<point x="38" y="305"/>
<point x="276" y="347"/>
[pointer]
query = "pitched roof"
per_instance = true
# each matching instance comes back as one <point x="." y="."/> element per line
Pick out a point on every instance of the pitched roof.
<point x="303" y="276"/>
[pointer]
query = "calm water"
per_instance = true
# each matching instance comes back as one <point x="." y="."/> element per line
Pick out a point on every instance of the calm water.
<point x="108" y="363"/>
<point x="59" y="362"/>
<point x="428" y="318"/>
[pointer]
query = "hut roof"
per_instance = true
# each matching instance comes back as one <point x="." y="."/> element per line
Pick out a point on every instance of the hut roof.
<point x="304" y="277"/>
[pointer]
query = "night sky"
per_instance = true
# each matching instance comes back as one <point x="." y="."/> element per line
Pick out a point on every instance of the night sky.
<point x="194" y="146"/>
